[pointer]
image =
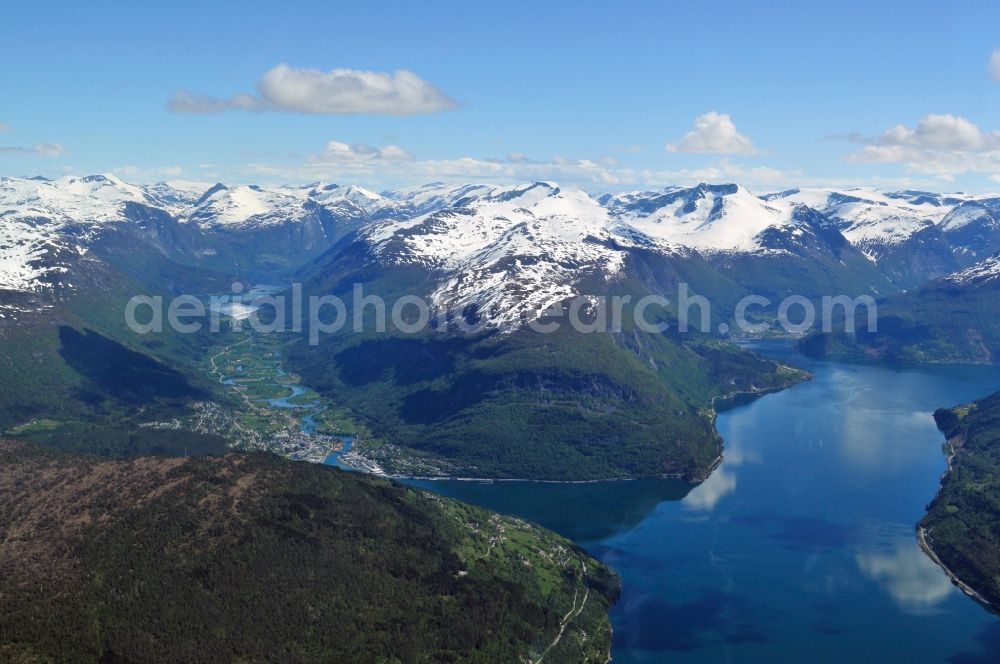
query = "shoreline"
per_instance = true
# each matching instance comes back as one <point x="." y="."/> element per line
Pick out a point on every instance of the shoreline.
<point x="711" y="468"/>
<point x="491" y="480"/>
<point x="925" y="544"/>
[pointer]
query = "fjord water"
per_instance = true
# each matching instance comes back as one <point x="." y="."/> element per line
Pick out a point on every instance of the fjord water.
<point x="801" y="546"/>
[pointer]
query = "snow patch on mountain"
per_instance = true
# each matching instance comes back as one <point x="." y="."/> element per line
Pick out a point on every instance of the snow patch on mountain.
<point x="512" y="251"/>
<point x="30" y="259"/>
<point x="710" y="218"/>
<point x="247" y="205"/>
<point x="873" y="220"/>
<point x="984" y="211"/>
<point x="176" y="195"/>
<point x="983" y="272"/>
<point x="95" y="200"/>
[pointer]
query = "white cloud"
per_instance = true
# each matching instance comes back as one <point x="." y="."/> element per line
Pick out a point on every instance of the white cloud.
<point x="4" y="127"/>
<point x="336" y="152"/>
<point x="42" y="149"/>
<point x="393" y="166"/>
<point x="184" y="101"/>
<point x="942" y="132"/>
<point x="518" y="158"/>
<point x="994" y="66"/>
<point x="714" y="133"/>
<point x="941" y="144"/>
<point x="588" y="174"/>
<point x="338" y="92"/>
<point x="132" y="171"/>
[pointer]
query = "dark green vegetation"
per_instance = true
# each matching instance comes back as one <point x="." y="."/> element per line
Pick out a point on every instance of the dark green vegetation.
<point x="963" y="521"/>
<point x="941" y="322"/>
<point x="563" y="406"/>
<point x="249" y="557"/>
<point x="75" y="376"/>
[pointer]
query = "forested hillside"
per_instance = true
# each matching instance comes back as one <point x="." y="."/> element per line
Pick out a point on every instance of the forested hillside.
<point x="963" y="522"/>
<point x="249" y="557"/>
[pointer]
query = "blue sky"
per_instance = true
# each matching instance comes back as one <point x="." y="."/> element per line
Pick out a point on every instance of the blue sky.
<point x="772" y="95"/>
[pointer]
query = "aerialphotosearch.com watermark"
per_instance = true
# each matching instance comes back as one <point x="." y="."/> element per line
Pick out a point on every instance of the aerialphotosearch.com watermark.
<point x="318" y="315"/>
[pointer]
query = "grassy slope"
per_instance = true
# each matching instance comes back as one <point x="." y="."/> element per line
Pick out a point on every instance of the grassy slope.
<point x="249" y="557"/>
<point x="963" y="521"/>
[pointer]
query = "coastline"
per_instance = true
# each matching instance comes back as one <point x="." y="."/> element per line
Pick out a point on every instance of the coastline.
<point x="923" y="540"/>
<point x="491" y="480"/>
<point x="756" y="392"/>
<point x="696" y="480"/>
<point x="925" y="545"/>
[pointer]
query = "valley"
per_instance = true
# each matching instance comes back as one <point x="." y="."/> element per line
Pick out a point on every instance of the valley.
<point x="739" y="496"/>
<point x="500" y="333"/>
<point x="272" y="410"/>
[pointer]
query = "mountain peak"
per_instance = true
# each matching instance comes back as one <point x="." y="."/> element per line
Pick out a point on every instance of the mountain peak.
<point x="707" y="217"/>
<point x="212" y="191"/>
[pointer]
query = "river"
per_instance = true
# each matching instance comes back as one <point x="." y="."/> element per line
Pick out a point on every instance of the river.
<point x="800" y="546"/>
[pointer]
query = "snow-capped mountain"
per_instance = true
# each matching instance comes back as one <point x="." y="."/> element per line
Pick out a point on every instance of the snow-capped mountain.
<point x="710" y="218"/>
<point x="252" y="206"/>
<point x="901" y="231"/>
<point x="436" y="196"/>
<point x="80" y="206"/>
<point x="775" y="246"/>
<point x="247" y="206"/>
<point x="352" y="201"/>
<point x="247" y="228"/>
<point x="37" y="270"/>
<point x="176" y="195"/>
<point x="512" y="251"/>
<point x="873" y="220"/>
<point x="972" y="229"/>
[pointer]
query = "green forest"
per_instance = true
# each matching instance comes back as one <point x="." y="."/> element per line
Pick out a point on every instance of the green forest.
<point x="249" y="558"/>
<point x="963" y="521"/>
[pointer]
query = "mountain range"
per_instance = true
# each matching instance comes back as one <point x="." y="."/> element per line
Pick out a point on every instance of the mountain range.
<point x="501" y="401"/>
<point x="911" y="237"/>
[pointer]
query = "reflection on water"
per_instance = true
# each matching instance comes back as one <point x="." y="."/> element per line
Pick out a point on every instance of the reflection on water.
<point x="723" y="481"/>
<point x="802" y="542"/>
<point x="584" y="512"/>
<point x="915" y="582"/>
<point x="711" y="491"/>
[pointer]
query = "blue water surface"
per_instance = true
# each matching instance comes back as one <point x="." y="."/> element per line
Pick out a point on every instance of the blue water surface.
<point x="801" y="546"/>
